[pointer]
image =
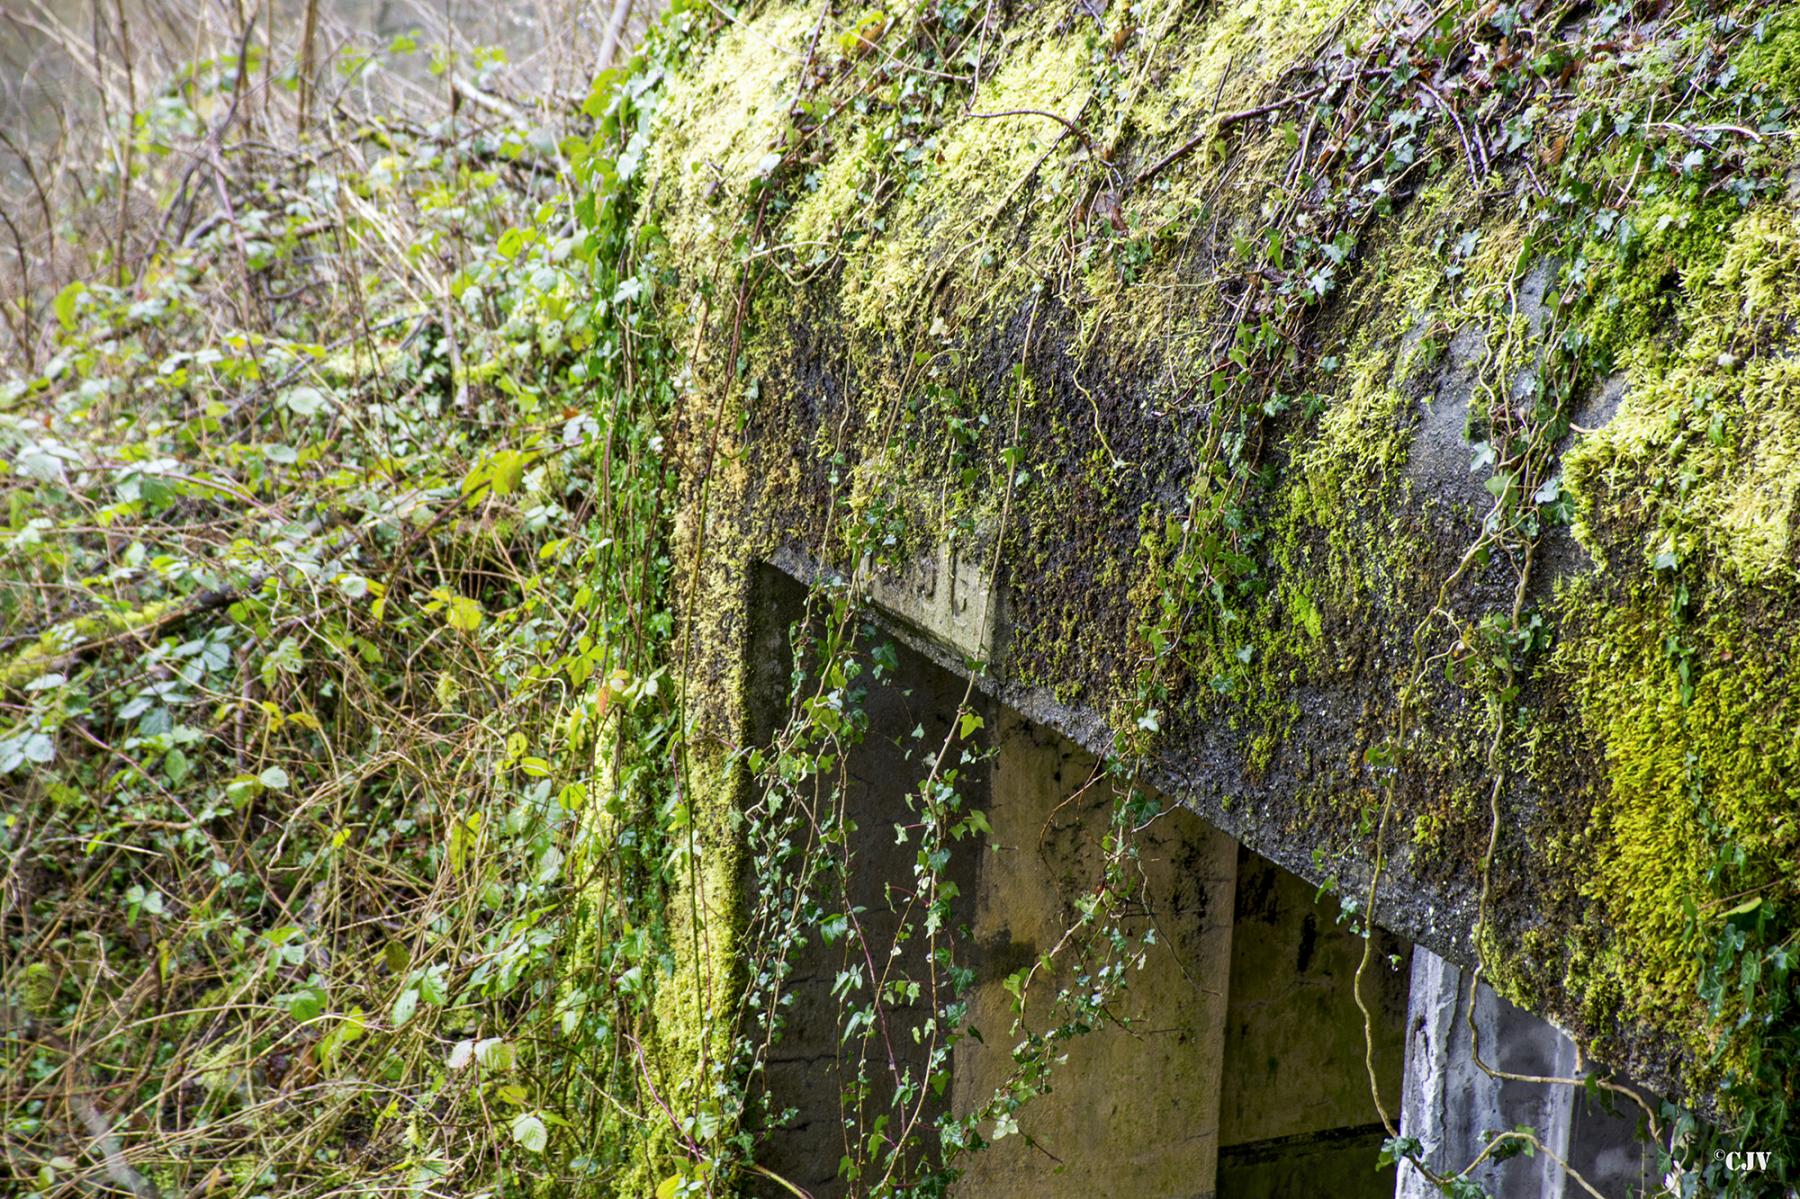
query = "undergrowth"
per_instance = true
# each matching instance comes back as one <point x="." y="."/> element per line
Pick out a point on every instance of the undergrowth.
<point x="332" y="603"/>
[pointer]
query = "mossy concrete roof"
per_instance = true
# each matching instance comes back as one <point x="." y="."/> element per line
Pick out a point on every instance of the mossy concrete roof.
<point x="1502" y="592"/>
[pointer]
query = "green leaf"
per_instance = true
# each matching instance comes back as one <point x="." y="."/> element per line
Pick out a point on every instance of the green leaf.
<point x="37" y="462"/>
<point x="405" y="1006"/>
<point x="495" y="1054"/>
<point x="305" y="401"/>
<point x="65" y="303"/>
<point x="347" y="1029"/>
<point x="529" y="1131"/>
<point x="274" y="778"/>
<point x="463" y="614"/>
<point x="303" y="1005"/>
<point x="432" y="988"/>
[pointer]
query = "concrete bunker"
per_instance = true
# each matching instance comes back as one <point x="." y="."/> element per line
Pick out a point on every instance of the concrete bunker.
<point x="1237" y="1067"/>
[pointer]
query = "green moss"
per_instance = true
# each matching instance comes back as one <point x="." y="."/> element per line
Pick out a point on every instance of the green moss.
<point x="942" y="223"/>
<point x="1772" y="59"/>
<point x="37" y="989"/>
<point x="77" y="636"/>
<point x="1681" y="779"/>
<point x="1709" y="427"/>
<point x="1345" y="558"/>
<point x="720" y="121"/>
<point x="1686" y="498"/>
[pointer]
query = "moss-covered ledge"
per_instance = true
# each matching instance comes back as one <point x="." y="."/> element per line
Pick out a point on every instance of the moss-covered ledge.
<point x="1510" y="458"/>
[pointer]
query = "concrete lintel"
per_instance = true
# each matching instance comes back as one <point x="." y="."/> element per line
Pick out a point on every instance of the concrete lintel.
<point x="948" y="593"/>
<point x="1442" y="926"/>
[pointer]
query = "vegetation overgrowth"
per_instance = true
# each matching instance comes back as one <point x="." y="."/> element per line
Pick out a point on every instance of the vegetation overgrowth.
<point x="378" y="821"/>
<point x="331" y="519"/>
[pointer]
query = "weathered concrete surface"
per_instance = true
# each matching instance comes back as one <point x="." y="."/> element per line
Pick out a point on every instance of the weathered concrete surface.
<point x="1408" y="906"/>
<point x="949" y="595"/>
<point x="811" y="1063"/>
<point x="1133" y="1110"/>
<point x="1297" y="1113"/>
<point x="968" y="310"/>
<point x="1240" y="1029"/>
<point x="1454" y="1106"/>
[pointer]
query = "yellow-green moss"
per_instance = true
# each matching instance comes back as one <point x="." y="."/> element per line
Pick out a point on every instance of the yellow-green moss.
<point x="37" y="989"/>
<point x="1709" y="425"/>
<point x="1773" y="57"/>
<point x="1687" y="490"/>
<point x="981" y="166"/>
<point x="56" y="645"/>
<point x="1731" y="757"/>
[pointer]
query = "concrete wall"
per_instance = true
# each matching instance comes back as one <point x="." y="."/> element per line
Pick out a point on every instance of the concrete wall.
<point x="1133" y="1111"/>
<point x="809" y="1066"/>
<point x="1297" y="1118"/>
<point x="1237" y="1029"/>
<point x="1239" y="1071"/>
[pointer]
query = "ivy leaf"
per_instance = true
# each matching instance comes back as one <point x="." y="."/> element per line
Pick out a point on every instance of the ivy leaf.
<point x="432" y="988"/>
<point x="494" y="1054"/>
<point x="305" y="401"/>
<point x="303" y="1005"/>
<point x="405" y="1006"/>
<point x="286" y="659"/>
<point x="39" y="463"/>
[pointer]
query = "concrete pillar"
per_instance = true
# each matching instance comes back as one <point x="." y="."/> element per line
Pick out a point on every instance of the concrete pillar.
<point x="1297" y="1118"/>
<point x="1451" y="1105"/>
<point x="1132" y="1112"/>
